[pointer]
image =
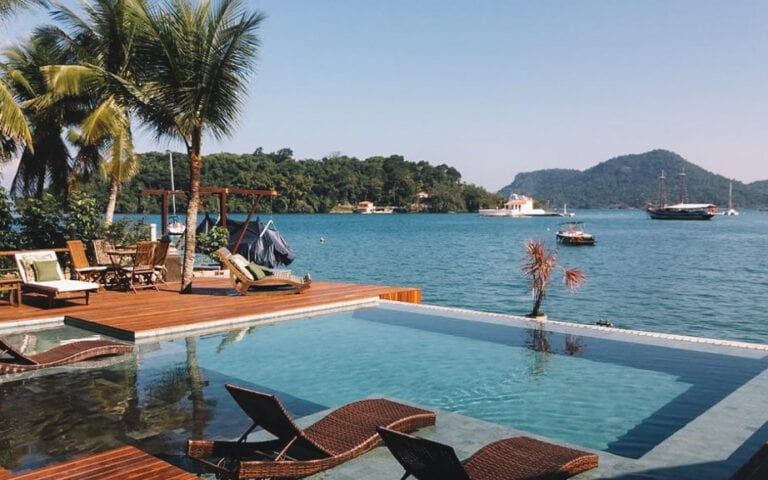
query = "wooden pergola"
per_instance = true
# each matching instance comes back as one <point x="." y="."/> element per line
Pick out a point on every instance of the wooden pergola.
<point x="223" y="193"/>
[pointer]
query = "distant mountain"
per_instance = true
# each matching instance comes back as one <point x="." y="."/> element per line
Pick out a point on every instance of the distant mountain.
<point x="632" y="181"/>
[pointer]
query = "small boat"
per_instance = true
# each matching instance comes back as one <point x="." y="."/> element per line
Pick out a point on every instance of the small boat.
<point x="681" y="210"/>
<point x="174" y="227"/>
<point x="572" y="233"/>
<point x="731" y="212"/>
<point x="566" y="213"/>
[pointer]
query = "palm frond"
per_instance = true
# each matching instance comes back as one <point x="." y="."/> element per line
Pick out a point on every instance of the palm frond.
<point x="574" y="278"/>
<point x="107" y="119"/>
<point x="12" y="121"/>
<point x="72" y="80"/>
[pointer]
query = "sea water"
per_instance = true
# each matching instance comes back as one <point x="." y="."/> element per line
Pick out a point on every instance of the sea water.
<point x="700" y="278"/>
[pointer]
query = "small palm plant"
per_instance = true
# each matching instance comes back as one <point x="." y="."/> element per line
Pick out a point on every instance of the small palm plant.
<point x="538" y="266"/>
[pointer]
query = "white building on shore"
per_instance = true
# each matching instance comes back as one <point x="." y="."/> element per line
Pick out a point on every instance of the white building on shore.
<point x="517" y="206"/>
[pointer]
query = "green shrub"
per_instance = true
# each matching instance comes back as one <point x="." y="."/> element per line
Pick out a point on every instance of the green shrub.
<point x="41" y="222"/>
<point x="208" y="243"/>
<point x="126" y="231"/>
<point x="84" y="221"/>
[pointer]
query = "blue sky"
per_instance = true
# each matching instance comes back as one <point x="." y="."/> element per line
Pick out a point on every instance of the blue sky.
<point x="494" y="88"/>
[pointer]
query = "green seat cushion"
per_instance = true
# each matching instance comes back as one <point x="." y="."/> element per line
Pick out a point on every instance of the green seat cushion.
<point x="256" y="270"/>
<point x="46" y="270"/>
<point x="241" y="264"/>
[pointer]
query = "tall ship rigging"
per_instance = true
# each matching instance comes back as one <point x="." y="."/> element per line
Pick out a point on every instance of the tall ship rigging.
<point x="681" y="210"/>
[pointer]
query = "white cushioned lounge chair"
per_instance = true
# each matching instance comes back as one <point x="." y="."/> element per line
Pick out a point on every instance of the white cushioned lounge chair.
<point x="41" y="273"/>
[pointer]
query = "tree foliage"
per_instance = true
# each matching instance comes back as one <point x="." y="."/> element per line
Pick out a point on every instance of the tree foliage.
<point x="41" y="221"/>
<point x="305" y="186"/>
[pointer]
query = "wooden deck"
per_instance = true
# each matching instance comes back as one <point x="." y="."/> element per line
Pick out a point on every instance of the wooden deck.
<point x="124" y="462"/>
<point x="212" y="304"/>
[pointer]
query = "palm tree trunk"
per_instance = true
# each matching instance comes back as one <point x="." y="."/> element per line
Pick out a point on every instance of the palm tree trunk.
<point x="196" y="384"/>
<point x="539" y="293"/>
<point x="109" y="215"/>
<point x="195" y="166"/>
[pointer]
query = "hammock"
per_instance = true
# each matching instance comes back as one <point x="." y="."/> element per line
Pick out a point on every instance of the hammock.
<point x="261" y="244"/>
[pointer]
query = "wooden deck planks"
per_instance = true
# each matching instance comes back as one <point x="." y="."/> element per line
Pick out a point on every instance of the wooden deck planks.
<point x="128" y="315"/>
<point x="124" y="463"/>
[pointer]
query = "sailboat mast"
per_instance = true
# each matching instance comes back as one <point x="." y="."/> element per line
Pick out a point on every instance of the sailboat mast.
<point x="682" y="194"/>
<point x="662" y="199"/>
<point x="730" y="196"/>
<point x="173" y="187"/>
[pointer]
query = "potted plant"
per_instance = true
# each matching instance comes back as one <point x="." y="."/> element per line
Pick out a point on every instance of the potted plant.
<point x="538" y="266"/>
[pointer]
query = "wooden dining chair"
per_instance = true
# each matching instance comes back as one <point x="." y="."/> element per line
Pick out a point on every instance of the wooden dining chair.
<point x="100" y="249"/>
<point x="81" y="266"/>
<point x="141" y="273"/>
<point x="161" y="253"/>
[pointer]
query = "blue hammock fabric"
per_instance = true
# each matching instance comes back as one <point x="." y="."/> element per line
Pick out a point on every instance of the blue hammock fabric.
<point x="260" y="244"/>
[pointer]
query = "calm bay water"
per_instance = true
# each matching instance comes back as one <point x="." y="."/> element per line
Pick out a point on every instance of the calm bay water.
<point x="705" y="279"/>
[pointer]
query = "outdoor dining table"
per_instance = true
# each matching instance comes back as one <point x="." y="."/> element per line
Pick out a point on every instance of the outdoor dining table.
<point x="121" y="257"/>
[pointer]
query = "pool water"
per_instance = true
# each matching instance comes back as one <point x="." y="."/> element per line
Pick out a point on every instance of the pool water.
<point x="611" y="391"/>
<point x="608" y="395"/>
<point x="32" y="341"/>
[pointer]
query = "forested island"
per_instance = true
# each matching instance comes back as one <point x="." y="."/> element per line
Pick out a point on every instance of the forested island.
<point x="304" y="186"/>
<point x="339" y="181"/>
<point x="632" y="181"/>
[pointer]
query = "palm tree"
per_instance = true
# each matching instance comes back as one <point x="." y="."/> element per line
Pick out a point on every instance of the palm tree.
<point x="103" y="42"/>
<point x="13" y="125"/>
<point x="538" y="265"/>
<point x="45" y="159"/>
<point x="7" y="7"/>
<point x="195" y="61"/>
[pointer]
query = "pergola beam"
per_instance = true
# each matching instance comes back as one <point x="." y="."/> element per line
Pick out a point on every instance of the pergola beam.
<point x="223" y="193"/>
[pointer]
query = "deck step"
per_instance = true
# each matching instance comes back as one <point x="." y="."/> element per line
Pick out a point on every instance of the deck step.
<point x="123" y="462"/>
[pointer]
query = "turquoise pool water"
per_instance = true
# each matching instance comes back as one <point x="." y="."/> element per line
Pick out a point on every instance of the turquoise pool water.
<point x="611" y="394"/>
<point x="611" y="391"/>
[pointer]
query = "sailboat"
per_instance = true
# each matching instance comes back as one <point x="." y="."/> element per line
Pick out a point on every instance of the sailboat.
<point x="681" y="210"/>
<point x="730" y="212"/>
<point x="175" y="227"/>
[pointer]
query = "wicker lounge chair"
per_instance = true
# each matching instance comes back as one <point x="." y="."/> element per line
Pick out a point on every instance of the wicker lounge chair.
<point x="756" y="467"/>
<point x="41" y="273"/>
<point x="343" y="434"/>
<point x="14" y="361"/>
<point x="508" y="459"/>
<point x="244" y="277"/>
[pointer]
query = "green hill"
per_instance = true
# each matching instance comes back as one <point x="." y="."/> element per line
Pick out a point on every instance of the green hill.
<point x="632" y="181"/>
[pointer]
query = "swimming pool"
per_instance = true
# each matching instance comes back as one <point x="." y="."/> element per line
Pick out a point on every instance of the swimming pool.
<point x="600" y="389"/>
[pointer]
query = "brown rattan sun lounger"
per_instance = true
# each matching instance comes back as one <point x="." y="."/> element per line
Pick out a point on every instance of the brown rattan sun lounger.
<point x="14" y="361"/>
<point x="756" y="468"/>
<point x="508" y="459"/>
<point x="343" y="434"/>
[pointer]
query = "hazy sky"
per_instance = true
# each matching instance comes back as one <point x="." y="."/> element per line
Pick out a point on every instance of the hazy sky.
<point x="494" y="88"/>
